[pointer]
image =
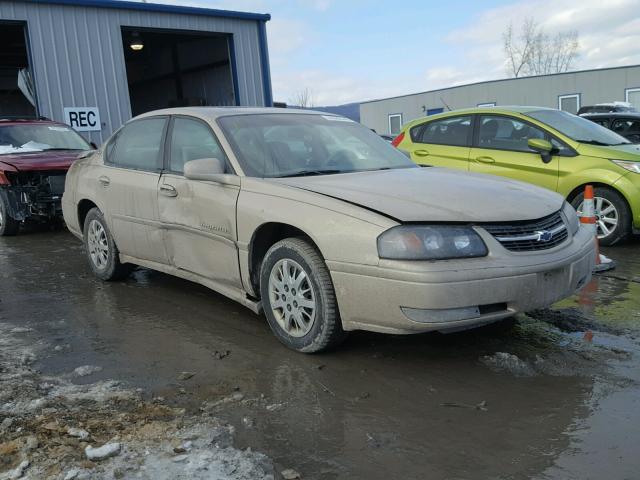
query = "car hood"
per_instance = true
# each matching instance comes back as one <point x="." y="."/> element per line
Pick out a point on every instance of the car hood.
<point x="629" y="151"/>
<point x="55" y="160"/>
<point x="435" y="194"/>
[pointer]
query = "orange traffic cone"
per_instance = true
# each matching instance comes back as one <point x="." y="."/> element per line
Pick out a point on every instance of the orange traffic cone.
<point x="588" y="217"/>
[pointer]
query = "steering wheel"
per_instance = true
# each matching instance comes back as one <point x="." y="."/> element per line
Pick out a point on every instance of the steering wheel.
<point x="342" y="159"/>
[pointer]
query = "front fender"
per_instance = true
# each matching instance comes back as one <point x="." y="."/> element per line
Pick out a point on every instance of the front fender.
<point x="605" y="176"/>
<point x="629" y="186"/>
<point x="341" y="236"/>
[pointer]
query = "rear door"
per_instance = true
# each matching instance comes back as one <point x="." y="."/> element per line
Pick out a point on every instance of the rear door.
<point x="199" y="217"/>
<point x="500" y="148"/>
<point x="127" y="188"/>
<point x="442" y="143"/>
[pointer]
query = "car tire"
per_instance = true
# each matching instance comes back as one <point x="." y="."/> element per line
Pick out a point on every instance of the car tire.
<point x="8" y="226"/>
<point x="101" y="249"/>
<point x="607" y="197"/>
<point x="313" y="324"/>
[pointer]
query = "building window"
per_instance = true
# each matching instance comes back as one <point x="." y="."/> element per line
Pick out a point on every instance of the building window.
<point x="491" y="104"/>
<point x="434" y="111"/>
<point x="395" y="123"/>
<point x="632" y="95"/>
<point x="569" y="103"/>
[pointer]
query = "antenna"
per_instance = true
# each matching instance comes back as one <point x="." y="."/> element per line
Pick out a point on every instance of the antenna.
<point x="445" y="104"/>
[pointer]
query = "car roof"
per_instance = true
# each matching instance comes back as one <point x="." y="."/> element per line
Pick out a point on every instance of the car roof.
<point x="507" y="109"/>
<point x="611" y="114"/>
<point x="212" y="113"/>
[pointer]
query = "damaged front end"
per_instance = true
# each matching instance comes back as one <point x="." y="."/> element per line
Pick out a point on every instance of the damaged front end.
<point x="33" y="195"/>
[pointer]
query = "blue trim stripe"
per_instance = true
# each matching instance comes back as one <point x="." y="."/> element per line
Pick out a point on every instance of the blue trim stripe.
<point x="264" y="62"/>
<point x="156" y="7"/>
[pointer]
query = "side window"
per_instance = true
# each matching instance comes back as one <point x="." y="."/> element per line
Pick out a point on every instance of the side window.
<point x="503" y="133"/>
<point x="192" y="140"/>
<point x="620" y="126"/>
<point x="627" y="128"/>
<point x="561" y="149"/>
<point x="138" y="145"/>
<point x="109" y="149"/>
<point x="454" y="131"/>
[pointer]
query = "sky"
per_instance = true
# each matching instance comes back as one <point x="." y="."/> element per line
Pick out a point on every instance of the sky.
<point x="354" y="50"/>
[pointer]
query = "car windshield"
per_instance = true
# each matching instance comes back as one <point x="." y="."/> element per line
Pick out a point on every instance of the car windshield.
<point x="578" y="128"/>
<point x="286" y="145"/>
<point x="38" y="138"/>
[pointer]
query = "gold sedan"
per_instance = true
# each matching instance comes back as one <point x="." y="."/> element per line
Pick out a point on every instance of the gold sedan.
<point x="321" y="224"/>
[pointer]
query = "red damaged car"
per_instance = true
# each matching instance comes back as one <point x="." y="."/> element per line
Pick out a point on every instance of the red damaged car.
<point x="34" y="158"/>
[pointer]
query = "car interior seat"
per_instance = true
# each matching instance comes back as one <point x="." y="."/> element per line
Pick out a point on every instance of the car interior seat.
<point x="488" y="132"/>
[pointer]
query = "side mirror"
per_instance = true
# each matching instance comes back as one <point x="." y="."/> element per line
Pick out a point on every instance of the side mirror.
<point x="543" y="147"/>
<point x="209" y="170"/>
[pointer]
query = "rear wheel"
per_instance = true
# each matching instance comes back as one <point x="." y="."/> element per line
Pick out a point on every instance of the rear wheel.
<point x="298" y="297"/>
<point x="613" y="217"/>
<point x="102" y="252"/>
<point x="8" y="225"/>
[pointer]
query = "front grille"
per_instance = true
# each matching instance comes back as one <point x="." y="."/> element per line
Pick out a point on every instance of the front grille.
<point x="530" y="235"/>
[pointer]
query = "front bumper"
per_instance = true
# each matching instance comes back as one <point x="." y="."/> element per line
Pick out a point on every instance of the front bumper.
<point x="451" y="295"/>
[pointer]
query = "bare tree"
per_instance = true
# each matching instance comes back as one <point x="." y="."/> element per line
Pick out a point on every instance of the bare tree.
<point x="534" y="52"/>
<point x="302" y="98"/>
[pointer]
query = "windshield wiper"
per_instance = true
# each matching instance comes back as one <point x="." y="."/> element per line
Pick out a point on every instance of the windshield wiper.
<point x="596" y="142"/>
<point x="311" y="173"/>
<point x="61" y="148"/>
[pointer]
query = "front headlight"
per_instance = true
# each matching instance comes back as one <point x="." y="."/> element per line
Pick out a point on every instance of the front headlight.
<point x="628" y="165"/>
<point x="572" y="217"/>
<point x="430" y="242"/>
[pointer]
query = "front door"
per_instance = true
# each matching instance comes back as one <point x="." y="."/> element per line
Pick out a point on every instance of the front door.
<point x="442" y="143"/>
<point x="199" y="218"/>
<point x="501" y="148"/>
<point x="128" y="185"/>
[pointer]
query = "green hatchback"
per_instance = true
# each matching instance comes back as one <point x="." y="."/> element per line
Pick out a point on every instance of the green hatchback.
<point x="543" y="146"/>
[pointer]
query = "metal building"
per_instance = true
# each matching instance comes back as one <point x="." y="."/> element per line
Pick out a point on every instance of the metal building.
<point x="96" y="63"/>
<point x="566" y="91"/>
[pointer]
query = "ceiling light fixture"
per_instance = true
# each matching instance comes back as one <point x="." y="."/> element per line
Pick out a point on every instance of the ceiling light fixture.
<point x="136" y="42"/>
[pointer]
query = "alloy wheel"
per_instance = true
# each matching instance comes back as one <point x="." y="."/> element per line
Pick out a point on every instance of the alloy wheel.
<point x="292" y="298"/>
<point x="98" y="244"/>
<point x="607" y="216"/>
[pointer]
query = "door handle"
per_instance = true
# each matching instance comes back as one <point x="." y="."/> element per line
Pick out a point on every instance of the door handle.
<point x="104" y="181"/>
<point x="421" y="153"/>
<point x="168" y="190"/>
<point x="485" y="159"/>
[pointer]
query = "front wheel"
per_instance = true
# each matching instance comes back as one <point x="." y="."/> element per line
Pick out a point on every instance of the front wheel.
<point x="102" y="252"/>
<point x="8" y="225"/>
<point x="613" y="217"/>
<point x="298" y="297"/>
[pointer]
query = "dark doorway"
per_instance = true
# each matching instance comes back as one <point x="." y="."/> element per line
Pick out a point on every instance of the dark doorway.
<point x="17" y="95"/>
<point x="175" y="69"/>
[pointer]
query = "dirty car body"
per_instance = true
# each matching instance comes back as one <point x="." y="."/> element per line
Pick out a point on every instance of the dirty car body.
<point x="34" y="158"/>
<point x="320" y="223"/>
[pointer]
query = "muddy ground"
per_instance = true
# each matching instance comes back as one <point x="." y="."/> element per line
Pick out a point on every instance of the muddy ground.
<point x="192" y="385"/>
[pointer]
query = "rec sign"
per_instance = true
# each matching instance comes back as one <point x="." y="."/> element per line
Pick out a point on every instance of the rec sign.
<point x="83" y="119"/>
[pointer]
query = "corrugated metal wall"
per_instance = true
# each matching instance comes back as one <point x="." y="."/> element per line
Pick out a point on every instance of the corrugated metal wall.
<point x="594" y="86"/>
<point x="77" y="56"/>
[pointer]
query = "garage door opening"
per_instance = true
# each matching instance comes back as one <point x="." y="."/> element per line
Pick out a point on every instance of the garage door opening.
<point x="17" y="96"/>
<point x="177" y="69"/>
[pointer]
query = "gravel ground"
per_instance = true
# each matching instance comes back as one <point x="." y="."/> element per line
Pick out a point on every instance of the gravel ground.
<point x="52" y="428"/>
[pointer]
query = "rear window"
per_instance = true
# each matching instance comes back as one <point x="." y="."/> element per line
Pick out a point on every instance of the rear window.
<point x="454" y="131"/>
<point x="138" y="145"/>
